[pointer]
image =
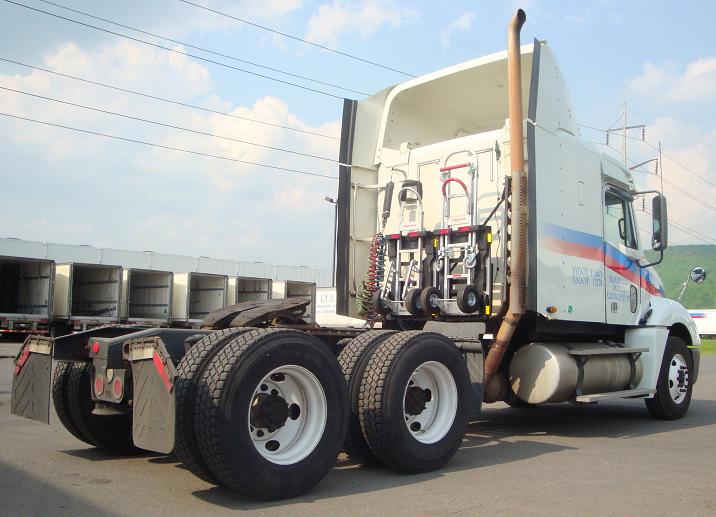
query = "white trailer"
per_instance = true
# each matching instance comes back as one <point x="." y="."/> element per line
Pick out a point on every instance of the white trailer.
<point x="195" y="295"/>
<point x="705" y="320"/>
<point x="26" y="286"/>
<point x="147" y="297"/>
<point x="87" y="295"/>
<point x="295" y="289"/>
<point x="245" y="289"/>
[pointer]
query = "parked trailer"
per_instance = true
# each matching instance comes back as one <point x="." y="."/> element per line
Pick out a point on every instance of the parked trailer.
<point x="26" y="287"/>
<point x="244" y="289"/>
<point x="293" y="289"/>
<point x="423" y="225"/>
<point x="86" y="295"/>
<point x="147" y="297"/>
<point x="195" y="295"/>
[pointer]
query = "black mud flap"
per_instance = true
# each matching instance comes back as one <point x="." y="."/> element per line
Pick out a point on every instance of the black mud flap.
<point x="153" y="410"/>
<point x="31" y="380"/>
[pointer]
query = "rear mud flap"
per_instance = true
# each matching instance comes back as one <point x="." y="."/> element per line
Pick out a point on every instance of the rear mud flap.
<point x="153" y="410"/>
<point x="31" y="380"/>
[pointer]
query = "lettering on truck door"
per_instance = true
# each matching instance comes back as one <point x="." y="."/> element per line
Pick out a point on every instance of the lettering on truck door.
<point x="622" y="274"/>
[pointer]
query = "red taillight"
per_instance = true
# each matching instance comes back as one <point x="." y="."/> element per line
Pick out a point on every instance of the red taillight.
<point x="95" y="347"/>
<point x="98" y="385"/>
<point x="117" y="388"/>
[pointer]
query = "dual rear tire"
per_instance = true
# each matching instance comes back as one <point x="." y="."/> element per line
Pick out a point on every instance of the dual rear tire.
<point x="72" y="399"/>
<point x="413" y="400"/>
<point x="270" y="411"/>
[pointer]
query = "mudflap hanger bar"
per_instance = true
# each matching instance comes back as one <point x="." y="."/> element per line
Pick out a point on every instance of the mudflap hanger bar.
<point x="153" y="410"/>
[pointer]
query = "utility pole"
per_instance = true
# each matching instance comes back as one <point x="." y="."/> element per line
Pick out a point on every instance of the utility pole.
<point x="624" y="135"/>
<point x="624" y="130"/>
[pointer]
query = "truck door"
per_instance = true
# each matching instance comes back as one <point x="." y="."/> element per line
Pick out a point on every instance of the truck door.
<point x="621" y="259"/>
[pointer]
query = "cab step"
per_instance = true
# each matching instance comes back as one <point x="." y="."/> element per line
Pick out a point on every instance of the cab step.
<point x="598" y="397"/>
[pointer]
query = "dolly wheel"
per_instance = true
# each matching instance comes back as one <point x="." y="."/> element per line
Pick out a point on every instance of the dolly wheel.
<point x="430" y="300"/>
<point x="412" y="302"/>
<point x="468" y="299"/>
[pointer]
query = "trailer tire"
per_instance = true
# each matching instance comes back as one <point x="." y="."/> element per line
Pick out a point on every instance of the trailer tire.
<point x="60" y="401"/>
<point x="676" y="372"/>
<point x="388" y="410"/>
<point x="354" y="360"/>
<point x="112" y="433"/>
<point x="189" y="372"/>
<point x="240" y="376"/>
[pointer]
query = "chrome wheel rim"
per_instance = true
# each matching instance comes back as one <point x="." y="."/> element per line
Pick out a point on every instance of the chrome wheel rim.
<point x="678" y="378"/>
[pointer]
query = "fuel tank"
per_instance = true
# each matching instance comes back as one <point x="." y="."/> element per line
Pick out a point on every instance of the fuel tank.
<point x="547" y="372"/>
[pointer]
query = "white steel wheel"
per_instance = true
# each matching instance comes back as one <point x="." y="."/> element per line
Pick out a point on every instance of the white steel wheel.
<point x="287" y="415"/>
<point x="430" y="402"/>
<point x="678" y="378"/>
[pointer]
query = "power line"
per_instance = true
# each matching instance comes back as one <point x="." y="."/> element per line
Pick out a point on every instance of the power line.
<point x="296" y="38"/>
<point x="234" y="58"/>
<point x="656" y="148"/>
<point x="170" y="148"/>
<point x="172" y="126"/>
<point x="156" y="45"/>
<point x="687" y="229"/>
<point x="163" y="99"/>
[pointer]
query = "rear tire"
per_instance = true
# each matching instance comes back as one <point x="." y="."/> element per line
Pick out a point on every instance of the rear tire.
<point x="674" y="387"/>
<point x="353" y="360"/>
<point x="113" y="433"/>
<point x="59" y="400"/>
<point x="189" y="372"/>
<point x="415" y="401"/>
<point x="296" y="446"/>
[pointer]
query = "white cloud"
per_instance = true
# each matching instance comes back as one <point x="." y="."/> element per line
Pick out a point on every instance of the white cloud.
<point x="123" y="195"/>
<point x="670" y="82"/>
<point x="334" y="20"/>
<point x="460" y="24"/>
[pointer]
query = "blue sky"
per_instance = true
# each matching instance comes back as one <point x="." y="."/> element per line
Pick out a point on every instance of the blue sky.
<point x="659" y="57"/>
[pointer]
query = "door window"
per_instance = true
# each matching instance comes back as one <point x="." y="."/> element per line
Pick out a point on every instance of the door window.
<point x="618" y="222"/>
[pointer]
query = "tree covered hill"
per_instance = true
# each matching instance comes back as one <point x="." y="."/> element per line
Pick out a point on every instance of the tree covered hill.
<point x="677" y="264"/>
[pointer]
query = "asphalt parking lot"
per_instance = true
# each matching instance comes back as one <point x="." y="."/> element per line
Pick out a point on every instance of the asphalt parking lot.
<point x="563" y="459"/>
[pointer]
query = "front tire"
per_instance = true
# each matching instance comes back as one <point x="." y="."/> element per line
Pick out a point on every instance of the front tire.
<point x="271" y="413"/>
<point x="674" y="387"/>
<point x="415" y="401"/>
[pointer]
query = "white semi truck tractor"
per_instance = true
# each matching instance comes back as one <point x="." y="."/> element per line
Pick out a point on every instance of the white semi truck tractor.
<point x="494" y="255"/>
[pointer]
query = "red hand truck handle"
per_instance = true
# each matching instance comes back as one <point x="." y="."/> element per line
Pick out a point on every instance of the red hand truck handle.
<point x="453" y="167"/>
<point x="456" y="180"/>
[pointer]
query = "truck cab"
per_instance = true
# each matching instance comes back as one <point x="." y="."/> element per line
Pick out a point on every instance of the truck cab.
<point x="430" y="160"/>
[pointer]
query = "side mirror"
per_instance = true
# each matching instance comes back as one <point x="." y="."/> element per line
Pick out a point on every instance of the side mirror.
<point x="698" y="275"/>
<point x="659" y="237"/>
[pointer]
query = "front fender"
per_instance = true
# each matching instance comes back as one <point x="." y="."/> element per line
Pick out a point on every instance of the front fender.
<point x="669" y="313"/>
